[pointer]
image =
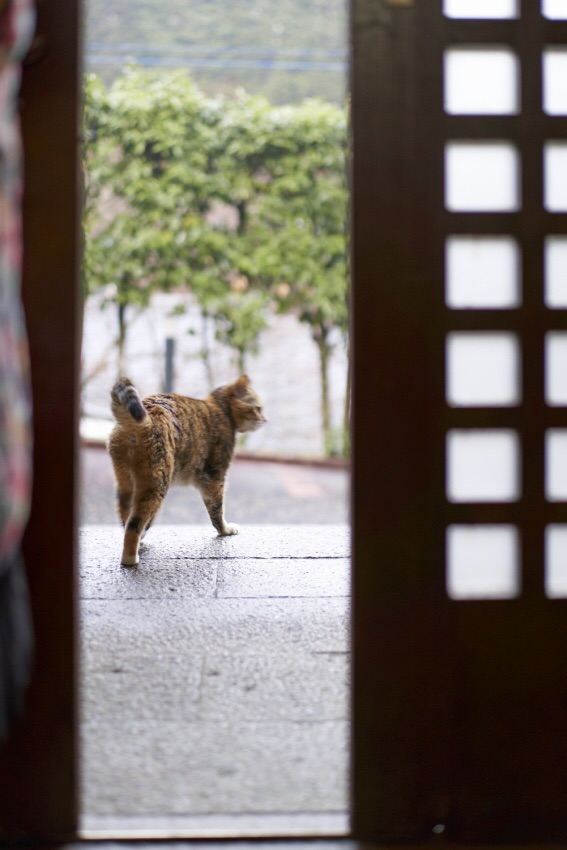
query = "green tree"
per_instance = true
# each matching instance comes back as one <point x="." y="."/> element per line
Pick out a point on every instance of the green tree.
<point x="150" y="180"/>
<point x="301" y="252"/>
<point x="236" y="201"/>
<point x="155" y="193"/>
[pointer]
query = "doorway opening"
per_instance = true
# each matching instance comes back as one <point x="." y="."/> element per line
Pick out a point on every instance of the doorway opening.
<point x="215" y="674"/>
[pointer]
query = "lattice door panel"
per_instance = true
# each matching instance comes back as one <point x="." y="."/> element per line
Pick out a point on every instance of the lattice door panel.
<point x="460" y="259"/>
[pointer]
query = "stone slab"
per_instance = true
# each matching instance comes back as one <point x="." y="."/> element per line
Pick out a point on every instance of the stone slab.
<point x="234" y="578"/>
<point x="318" y="577"/>
<point x="162" y="688"/>
<point x="215" y="680"/>
<point x="102" y="544"/>
<point x="168" y="580"/>
<point x="144" y="767"/>
<point x="275" y="686"/>
<point x="116" y="630"/>
<point x="281" y="686"/>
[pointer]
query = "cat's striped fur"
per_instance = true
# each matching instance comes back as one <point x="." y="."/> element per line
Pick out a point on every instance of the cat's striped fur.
<point x="167" y="438"/>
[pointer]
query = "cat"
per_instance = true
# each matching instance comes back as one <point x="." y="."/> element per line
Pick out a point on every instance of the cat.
<point x="168" y="438"/>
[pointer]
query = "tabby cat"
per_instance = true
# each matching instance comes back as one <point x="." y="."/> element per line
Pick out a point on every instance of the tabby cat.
<point x="165" y="439"/>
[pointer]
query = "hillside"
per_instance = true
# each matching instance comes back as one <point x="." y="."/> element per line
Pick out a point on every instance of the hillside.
<point x="284" y="49"/>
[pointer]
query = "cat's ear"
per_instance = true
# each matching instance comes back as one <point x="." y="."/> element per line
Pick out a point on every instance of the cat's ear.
<point x="241" y="386"/>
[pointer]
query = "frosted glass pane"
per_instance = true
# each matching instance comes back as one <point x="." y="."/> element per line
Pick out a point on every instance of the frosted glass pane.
<point x="556" y="368"/>
<point x="556" y="271"/>
<point x="555" y="176"/>
<point x="481" y="177"/>
<point x="556" y="465"/>
<point x="482" y="466"/>
<point x="483" y="369"/>
<point x="482" y="272"/>
<point x="554" y="76"/>
<point x="480" y="8"/>
<point x="482" y="561"/>
<point x="556" y="561"/>
<point x="556" y="9"/>
<point x="481" y="81"/>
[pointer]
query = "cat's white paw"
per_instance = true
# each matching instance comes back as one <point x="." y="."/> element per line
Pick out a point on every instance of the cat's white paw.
<point x="230" y="529"/>
<point x="130" y="560"/>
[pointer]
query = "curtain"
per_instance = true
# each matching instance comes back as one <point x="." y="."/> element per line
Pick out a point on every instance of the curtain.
<point x="16" y="28"/>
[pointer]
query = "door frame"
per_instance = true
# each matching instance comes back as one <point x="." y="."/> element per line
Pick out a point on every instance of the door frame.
<point x="404" y="752"/>
<point x="38" y="770"/>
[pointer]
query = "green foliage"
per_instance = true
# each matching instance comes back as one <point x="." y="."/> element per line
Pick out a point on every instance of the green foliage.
<point x="239" y="320"/>
<point x="239" y="202"/>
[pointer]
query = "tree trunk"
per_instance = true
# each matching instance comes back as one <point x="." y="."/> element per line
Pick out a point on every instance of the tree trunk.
<point x="324" y="354"/>
<point x="242" y="217"/>
<point x="346" y="413"/>
<point x="121" y="337"/>
<point x="205" y="350"/>
<point x="242" y="439"/>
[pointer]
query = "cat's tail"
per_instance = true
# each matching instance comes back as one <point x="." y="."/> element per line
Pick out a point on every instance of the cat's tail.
<point x="126" y="404"/>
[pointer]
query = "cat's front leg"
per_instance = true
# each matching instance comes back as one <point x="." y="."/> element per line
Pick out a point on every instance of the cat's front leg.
<point x="213" y="497"/>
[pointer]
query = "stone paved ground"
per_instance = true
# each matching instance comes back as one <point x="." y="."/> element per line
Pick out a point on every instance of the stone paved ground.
<point x="215" y="681"/>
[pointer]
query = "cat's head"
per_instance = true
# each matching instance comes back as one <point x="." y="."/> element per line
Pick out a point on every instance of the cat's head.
<point x="246" y="406"/>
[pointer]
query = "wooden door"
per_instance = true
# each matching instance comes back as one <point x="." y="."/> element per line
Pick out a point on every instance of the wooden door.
<point x="460" y="415"/>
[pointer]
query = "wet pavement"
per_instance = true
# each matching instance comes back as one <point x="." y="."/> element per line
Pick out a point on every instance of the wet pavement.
<point x="215" y="682"/>
<point x="214" y="676"/>
<point x="258" y="493"/>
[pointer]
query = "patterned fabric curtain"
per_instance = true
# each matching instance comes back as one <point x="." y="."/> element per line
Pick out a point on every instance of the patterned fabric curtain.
<point x="16" y="28"/>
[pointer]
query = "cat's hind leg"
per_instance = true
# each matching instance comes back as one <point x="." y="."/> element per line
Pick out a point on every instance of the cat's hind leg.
<point x="124" y="502"/>
<point x="124" y="491"/>
<point x="144" y="508"/>
<point x="213" y="497"/>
